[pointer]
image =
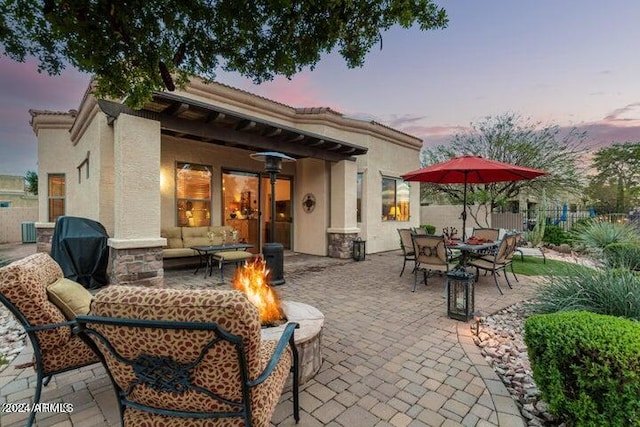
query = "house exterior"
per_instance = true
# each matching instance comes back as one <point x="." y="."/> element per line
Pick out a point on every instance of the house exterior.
<point x="13" y="193"/>
<point x="184" y="160"/>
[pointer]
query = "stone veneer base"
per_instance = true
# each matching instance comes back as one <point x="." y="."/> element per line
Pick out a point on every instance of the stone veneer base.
<point x="341" y="245"/>
<point x="44" y="236"/>
<point x="139" y="266"/>
<point x="308" y="337"/>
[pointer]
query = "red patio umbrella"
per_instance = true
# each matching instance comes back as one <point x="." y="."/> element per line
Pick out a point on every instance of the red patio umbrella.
<point x="474" y="170"/>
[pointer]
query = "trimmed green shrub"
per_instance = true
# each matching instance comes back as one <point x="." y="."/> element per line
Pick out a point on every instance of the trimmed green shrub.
<point x="587" y="367"/>
<point x="610" y="291"/>
<point x="554" y="234"/>
<point x="431" y="229"/>
<point x="622" y="255"/>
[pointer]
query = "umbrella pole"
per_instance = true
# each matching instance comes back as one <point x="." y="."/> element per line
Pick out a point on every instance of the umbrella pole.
<point x="464" y="210"/>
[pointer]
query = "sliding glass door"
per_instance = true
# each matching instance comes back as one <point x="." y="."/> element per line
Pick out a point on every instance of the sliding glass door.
<point x="240" y="208"/>
<point x="283" y="214"/>
<point x="246" y="206"/>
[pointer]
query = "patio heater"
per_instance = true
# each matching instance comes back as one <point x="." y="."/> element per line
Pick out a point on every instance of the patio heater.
<point x="273" y="252"/>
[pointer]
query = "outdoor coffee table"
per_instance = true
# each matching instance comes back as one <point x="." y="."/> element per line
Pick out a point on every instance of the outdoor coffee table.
<point x="207" y="255"/>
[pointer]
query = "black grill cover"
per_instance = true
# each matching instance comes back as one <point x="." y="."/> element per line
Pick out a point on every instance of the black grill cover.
<point x="79" y="245"/>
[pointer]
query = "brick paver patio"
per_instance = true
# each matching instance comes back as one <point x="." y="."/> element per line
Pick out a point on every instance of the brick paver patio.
<point x="391" y="357"/>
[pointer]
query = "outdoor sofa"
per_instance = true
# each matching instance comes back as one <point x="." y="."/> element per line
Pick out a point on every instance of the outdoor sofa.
<point x="180" y="240"/>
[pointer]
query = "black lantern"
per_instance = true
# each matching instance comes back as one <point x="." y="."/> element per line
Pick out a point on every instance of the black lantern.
<point x="273" y="252"/>
<point x="359" y="249"/>
<point x="460" y="295"/>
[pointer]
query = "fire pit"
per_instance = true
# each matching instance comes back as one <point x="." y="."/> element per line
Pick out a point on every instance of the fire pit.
<point x="274" y="314"/>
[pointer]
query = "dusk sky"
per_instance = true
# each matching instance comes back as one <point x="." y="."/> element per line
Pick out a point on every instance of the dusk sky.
<point x="569" y="62"/>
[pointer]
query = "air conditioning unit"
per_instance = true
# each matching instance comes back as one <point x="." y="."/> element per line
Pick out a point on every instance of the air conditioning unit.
<point x="28" y="232"/>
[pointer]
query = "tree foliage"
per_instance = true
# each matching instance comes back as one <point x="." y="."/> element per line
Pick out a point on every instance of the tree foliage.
<point x="139" y="46"/>
<point x="616" y="186"/>
<point x="31" y="180"/>
<point x="509" y="138"/>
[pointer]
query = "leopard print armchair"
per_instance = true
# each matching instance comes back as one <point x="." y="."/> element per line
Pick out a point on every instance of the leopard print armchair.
<point x="189" y="357"/>
<point x="23" y="290"/>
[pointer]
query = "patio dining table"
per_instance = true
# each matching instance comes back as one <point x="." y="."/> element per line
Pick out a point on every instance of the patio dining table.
<point x="467" y="249"/>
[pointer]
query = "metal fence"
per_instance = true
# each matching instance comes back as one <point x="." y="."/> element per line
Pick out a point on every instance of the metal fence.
<point x="526" y="220"/>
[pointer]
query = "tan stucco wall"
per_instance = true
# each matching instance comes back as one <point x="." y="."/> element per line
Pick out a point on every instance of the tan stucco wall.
<point x="388" y="160"/>
<point x="85" y="197"/>
<point x="54" y="156"/>
<point x="311" y="177"/>
<point x="83" y="194"/>
<point x="137" y="181"/>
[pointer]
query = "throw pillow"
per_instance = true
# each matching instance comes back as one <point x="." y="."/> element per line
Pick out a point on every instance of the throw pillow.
<point x="70" y="297"/>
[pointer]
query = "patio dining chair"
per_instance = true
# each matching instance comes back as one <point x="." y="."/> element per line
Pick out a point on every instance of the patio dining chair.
<point x="406" y="244"/>
<point x="489" y="234"/>
<point x="419" y="230"/>
<point x="431" y="255"/>
<point x="502" y="259"/>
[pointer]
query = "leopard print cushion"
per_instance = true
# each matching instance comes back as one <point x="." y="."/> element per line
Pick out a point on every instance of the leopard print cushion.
<point x="230" y="309"/>
<point x="74" y="353"/>
<point x="24" y="283"/>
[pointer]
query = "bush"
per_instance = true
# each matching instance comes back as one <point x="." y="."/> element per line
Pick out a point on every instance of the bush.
<point x="622" y="255"/>
<point x="595" y="236"/>
<point x="587" y="367"/>
<point x="431" y="229"/>
<point x="611" y="291"/>
<point x="555" y="235"/>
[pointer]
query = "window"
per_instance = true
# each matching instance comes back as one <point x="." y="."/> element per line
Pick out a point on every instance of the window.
<point x="4" y="204"/>
<point x="395" y="199"/>
<point x="193" y="195"/>
<point x="85" y="165"/>
<point x="57" y="192"/>
<point x="359" y="197"/>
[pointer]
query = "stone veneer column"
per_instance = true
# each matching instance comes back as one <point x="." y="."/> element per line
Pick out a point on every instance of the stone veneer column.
<point x="136" y="247"/>
<point x="44" y="236"/>
<point x="344" y="227"/>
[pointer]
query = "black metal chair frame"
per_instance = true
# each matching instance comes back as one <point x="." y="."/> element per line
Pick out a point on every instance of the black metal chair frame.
<point x="408" y="253"/>
<point x="167" y="375"/>
<point x="498" y="266"/>
<point x="42" y="377"/>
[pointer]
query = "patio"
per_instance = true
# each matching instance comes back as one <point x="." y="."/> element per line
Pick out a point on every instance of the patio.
<point x="391" y="357"/>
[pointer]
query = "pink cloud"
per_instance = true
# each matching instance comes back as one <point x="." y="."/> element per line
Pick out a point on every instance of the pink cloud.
<point x="628" y="113"/>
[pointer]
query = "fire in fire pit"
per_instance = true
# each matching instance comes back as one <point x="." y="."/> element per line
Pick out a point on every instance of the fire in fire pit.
<point x="252" y="280"/>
